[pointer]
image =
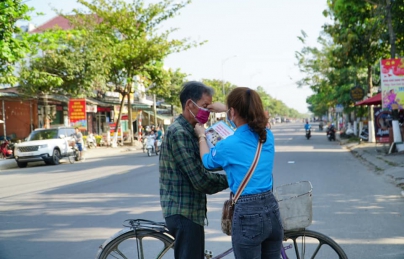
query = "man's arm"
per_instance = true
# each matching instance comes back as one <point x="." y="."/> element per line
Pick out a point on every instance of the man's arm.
<point x="202" y="180"/>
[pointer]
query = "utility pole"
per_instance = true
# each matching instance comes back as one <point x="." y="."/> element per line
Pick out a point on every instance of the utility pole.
<point x="130" y="123"/>
<point x="155" y="110"/>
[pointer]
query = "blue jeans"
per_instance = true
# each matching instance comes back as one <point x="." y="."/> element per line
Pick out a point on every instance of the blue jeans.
<point x="79" y="146"/>
<point x="257" y="230"/>
<point x="189" y="237"/>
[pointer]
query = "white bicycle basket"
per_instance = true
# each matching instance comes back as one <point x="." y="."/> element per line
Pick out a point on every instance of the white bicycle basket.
<point x="295" y="204"/>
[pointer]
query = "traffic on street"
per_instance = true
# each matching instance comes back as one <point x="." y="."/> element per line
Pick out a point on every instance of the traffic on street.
<point x="68" y="211"/>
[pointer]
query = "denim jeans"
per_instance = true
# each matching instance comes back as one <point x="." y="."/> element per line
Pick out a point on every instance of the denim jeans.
<point x="257" y="230"/>
<point x="189" y="237"/>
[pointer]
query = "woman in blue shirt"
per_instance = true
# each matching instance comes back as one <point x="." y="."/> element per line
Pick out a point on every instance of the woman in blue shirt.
<point x="257" y="230"/>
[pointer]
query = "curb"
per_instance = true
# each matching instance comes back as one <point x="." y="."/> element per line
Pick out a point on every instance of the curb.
<point x="88" y="153"/>
<point x="391" y="166"/>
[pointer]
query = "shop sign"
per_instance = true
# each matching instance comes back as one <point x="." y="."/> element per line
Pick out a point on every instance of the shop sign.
<point x="91" y="108"/>
<point x="357" y="93"/>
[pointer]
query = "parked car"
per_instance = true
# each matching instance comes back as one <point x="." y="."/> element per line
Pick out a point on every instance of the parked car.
<point x="48" y="145"/>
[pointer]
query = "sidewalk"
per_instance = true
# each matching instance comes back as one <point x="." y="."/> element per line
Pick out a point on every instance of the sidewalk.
<point x="88" y="154"/>
<point x="376" y="156"/>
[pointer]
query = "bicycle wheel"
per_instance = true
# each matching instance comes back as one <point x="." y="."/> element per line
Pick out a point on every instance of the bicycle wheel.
<point x="302" y="244"/>
<point x="73" y="155"/>
<point x="145" y="244"/>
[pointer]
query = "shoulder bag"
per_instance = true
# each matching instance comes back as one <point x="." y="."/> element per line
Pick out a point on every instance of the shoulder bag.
<point x="228" y="206"/>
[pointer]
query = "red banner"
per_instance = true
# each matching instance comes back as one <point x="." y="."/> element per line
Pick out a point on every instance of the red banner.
<point x="77" y="113"/>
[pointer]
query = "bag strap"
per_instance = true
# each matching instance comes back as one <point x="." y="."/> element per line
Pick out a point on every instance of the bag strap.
<point x="249" y="174"/>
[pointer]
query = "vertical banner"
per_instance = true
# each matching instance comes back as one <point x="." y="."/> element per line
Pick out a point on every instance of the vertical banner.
<point x="382" y="119"/>
<point x="392" y="81"/>
<point x="77" y="113"/>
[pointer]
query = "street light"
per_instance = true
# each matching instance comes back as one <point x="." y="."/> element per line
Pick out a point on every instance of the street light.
<point x="251" y="77"/>
<point x="223" y="61"/>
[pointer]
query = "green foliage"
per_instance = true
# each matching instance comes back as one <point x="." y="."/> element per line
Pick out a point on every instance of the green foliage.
<point x="134" y="44"/>
<point x="14" y="44"/>
<point x="349" y="53"/>
<point x="71" y="63"/>
<point x="220" y="87"/>
<point x="171" y="95"/>
<point x="107" y="49"/>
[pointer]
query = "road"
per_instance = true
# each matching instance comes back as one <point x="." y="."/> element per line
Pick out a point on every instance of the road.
<point x="67" y="211"/>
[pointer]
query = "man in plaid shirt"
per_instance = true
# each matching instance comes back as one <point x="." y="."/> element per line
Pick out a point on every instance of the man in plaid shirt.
<point x="184" y="182"/>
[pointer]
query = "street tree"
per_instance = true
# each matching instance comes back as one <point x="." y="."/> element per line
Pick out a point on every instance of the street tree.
<point x="172" y="96"/>
<point x="65" y="62"/>
<point x="14" y="43"/>
<point x="135" y="42"/>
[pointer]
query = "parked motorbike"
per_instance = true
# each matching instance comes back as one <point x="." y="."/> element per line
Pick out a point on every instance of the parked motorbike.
<point x="331" y="133"/>
<point x="158" y="143"/>
<point x="91" y="142"/>
<point x="6" y="149"/>
<point x="308" y="134"/>
<point x="150" y="144"/>
<point x="364" y="135"/>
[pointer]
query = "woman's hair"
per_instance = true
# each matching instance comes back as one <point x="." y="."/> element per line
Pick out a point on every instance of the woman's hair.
<point x="194" y="90"/>
<point x="248" y="104"/>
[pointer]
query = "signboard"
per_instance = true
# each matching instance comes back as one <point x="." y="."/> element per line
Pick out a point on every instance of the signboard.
<point x="357" y="93"/>
<point x="339" y="108"/>
<point x="392" y="80"/>
<point x="77" y="113"/>
<point x="382" y="120"/>
<point x="112" y="128"/>
<point x="91" y="108"/>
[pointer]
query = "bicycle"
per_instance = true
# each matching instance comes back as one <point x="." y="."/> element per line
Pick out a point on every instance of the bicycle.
<point x="145" y="239"/>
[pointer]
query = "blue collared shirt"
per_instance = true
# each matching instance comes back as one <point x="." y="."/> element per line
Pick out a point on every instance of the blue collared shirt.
<point x="235" y="155"/>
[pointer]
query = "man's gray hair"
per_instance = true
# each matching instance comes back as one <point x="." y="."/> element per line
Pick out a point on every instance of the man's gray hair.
<point x="194" y="90"/>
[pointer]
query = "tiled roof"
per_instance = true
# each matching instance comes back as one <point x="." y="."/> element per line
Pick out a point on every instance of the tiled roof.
<point x="56" y="22"/>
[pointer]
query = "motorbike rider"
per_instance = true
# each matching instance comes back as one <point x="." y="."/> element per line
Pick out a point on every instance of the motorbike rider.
<point x="159" y="135"/>
<point x="151" y="139"/>
<point x="331" y="130"/>
<point x="321" y="125"/>
<point x="307" y="126"/>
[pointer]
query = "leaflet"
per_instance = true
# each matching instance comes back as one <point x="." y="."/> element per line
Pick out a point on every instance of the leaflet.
<point x="217" y="132"/>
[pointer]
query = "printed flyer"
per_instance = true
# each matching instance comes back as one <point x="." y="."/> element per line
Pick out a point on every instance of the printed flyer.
<point x="217" y="132"/>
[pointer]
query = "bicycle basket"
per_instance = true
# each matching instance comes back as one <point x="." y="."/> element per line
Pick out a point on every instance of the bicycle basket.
<point x="295" y="204"/>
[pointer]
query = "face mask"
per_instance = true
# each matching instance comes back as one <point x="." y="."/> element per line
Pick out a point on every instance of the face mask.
<point x="230" y="121"/>
<point x="203" y="114"/>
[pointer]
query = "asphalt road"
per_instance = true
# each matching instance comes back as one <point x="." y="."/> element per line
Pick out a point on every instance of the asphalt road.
<point x="67" y="211"/>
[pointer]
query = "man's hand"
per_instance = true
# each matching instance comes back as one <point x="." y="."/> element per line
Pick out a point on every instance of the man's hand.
<point x="199" y="129"/>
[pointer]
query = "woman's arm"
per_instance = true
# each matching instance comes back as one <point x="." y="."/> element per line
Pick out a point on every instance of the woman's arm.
<point x="203" y="146"/>
<point x="217" y="107"/>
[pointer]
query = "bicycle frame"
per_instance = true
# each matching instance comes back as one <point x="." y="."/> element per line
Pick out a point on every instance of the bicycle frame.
<point x="158" y="228"/>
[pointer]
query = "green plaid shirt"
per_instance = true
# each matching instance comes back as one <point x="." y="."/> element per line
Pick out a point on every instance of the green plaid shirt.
<point x="184" y="182"/>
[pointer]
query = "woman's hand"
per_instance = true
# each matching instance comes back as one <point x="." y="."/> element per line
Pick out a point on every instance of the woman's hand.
<point x="217" y="107"/>
<point x="199" y="129"/>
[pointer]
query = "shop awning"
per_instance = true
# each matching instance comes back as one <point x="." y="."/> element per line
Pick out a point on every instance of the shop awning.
<point x="165" y="119"/>
<point x="374" y="100"/>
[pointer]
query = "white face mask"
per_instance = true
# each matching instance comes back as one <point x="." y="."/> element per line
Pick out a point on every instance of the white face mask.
<point x="230" y="121"/>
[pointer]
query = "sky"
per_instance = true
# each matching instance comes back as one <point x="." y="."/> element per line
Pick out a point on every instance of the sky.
<point x="249" y="42"/>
